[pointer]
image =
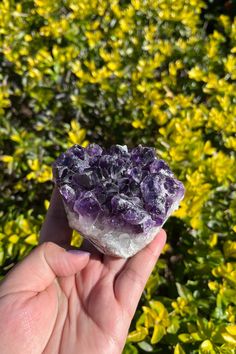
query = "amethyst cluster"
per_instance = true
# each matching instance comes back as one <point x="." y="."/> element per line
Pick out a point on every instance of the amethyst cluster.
<point x="117" y="198"/>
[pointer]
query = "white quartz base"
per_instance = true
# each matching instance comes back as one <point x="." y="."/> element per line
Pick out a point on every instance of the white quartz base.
<point x="116" y="243"/>
<point x="111" y="242"/>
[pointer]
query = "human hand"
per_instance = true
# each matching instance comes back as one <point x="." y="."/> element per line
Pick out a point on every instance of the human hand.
<point x="56" y="301"/>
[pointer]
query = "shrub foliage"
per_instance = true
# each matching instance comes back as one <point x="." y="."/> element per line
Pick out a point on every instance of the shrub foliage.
<point x="157" y="72"/>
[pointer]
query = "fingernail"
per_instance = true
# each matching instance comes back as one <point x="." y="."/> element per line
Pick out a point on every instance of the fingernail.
<point x="79" y="252"/>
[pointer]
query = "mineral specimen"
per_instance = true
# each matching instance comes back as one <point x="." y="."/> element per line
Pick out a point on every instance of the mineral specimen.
<point x="117" y="198"/>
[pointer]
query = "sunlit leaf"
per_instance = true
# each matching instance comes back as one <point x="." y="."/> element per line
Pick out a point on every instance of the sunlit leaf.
<point x="138" y="335"/>
<point x="231" y="330"/>
<point x="185" y="338"/>
<point x="179" y="349"/>
<point x="158" y="332"/>
<point x="130" y="349"/>
<point x="229" y="338"/>
<point x="230" y="249"/>
<point x="206" y="347"/>
<point x="174" y="325"/>
<point x="184" y="292"/>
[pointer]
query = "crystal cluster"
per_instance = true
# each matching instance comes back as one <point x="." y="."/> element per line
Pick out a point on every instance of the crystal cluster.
<point x="117" y="198"/>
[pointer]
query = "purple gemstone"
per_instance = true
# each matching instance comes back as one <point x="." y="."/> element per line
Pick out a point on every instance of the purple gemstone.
<point x="68" y="194"/>
<point x="143" y="155"/>
<point x="134" y="216"/>
<point x="124" y="184"/>
<point x="158" y="165"/>
<point x="94" y="150"/>
<point x="78" y="151"/>
<point x="128" y="189"/>
<point x="88" y="205"/>
<point x="119" y="150"/>
<point x="148" y="224"/>
<point x="150" y="190"/>
<point x="136" y="174"/>
<point x="119" y="204"/>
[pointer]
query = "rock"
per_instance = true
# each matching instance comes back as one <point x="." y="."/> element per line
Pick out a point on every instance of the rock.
<point x="117" y="198"/>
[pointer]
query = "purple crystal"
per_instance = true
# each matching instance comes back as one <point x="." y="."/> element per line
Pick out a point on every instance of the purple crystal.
<point x="78" y="151"/>
<point x="68" y="194"/>
<point x="158" y="165"/>
<point x="94" y="150"/>
<point x="130" y="189"/>
<point x="87" y="205"/>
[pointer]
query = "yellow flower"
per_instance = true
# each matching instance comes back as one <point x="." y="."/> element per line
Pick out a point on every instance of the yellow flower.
<point x="196" y="73"/>
<point x="45" y="174"/>
<point x="32" y="239"/>
<point x="76" y="134"/>
<point x="138" y="124"/>
<point x="93" y="38"/>
<point x="14" y="239"/>
<point x="225" y="21"/>
<point x="213" y="240"/>
<point x="6" y="158"/>
<point x="181" y="306"/>
<point x="208" y="149"/>
<point x="230" y="65"/>
<point x="136" y="4"/>
<point x="213" y="285"/>
<point x="34" y="164"/>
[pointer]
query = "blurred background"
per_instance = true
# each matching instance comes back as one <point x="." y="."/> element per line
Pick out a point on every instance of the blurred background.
<point x="154" y="72"/>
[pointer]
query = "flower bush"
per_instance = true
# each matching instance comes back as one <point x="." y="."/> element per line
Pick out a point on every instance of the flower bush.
<point x="160" y="73"/>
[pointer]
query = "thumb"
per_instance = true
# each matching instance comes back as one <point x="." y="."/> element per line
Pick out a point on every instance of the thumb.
<point x="39" y="269"/>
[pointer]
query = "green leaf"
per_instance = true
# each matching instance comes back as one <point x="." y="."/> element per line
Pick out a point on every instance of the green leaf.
<point x="159" y="308"/>
<point x="179" y="349"/>
<point x="203" y="329"/>
<point x="145" y="346"/>
<point x="184" y="292"/>
<point x="158" y="333"/>
<point x="229" y="249"/>
<point x="231" y="329"/>
<point x="196" y="336"/>
<point x="228" y="338"/>
<point x="150" y="316"/>
<point x="191" y="327"/>
<point x="185" y="338"/>
<point x="149" y="320"/>
<point x="130" y="349"/>
<point x="137" y="335"/>
<point x="174" y="325"/>
<point x="227" y="349"/>
<point x="141" y="321"/>
<point x="206" y="347"/>
<point x="229" y="296"/>
<point x="152" y="284"/>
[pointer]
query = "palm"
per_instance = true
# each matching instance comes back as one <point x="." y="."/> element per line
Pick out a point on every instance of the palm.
<point x="98" y="315"/>
<point x="101" y="309"/>
<point x="95" y="308"/>
<point x="61" y="302"/>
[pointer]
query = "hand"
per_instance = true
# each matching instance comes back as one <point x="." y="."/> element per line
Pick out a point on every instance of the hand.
<point x="56" y="301"/>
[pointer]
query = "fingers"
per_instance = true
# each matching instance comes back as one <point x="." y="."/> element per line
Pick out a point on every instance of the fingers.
<point x="131" y="281"/>
<point x="55" y="227"/>
<point x="89" y="247"/>
<point x="39" y="269"/>
<point x="113" y="264"/>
